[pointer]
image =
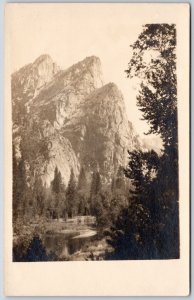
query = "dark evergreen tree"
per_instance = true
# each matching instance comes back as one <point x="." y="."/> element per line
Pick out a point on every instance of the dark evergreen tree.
<point x="158" y="102"/>
<point x="94" y="190"/>
<point x="132" y="233"/>
<point x="58" y="207"/>
<point x="71" y="196"/>
<point x="39" y="197"/>
<point x="56" y="184"/>
<point x="82" y="180"/>
<point x="95" y="184"/>
<point x="158" y="94"/>
<point x="149" y="228"/>
<point x="37" y="251"/>
<point x="21" y="188"/>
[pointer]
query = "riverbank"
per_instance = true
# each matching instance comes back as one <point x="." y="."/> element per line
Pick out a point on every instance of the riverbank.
<point x="71" y="239"/>
<point x="42" y="226"/>
<point x="93" y="251"/>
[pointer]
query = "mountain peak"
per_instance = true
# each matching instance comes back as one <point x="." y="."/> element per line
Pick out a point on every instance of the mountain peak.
<point x="90" y="63"/>
<point x="45" y="63"/>
<point x="29" y="80"/>
<point x="43" y="58"/>
<point x="112" y="86"/>
<point x="109" y="89"/>
<point x="92" y="58"/>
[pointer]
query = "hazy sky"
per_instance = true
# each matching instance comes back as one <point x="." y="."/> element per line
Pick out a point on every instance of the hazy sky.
<point x="69" y="33"/>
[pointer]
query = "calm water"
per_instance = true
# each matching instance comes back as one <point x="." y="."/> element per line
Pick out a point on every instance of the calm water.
<point x="54" y="246"/>
<point x="63" y="245"/>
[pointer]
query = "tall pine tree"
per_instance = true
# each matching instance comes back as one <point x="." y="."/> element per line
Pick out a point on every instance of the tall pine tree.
<point x="154" y="209"/>
<point x="82" y="180"/>
<point x="56" y="184"/>
<point x="71" y="196"/>
<point x="58" y="208"/>
<point x="94" y="190"/>
<point x="20" y="188"/>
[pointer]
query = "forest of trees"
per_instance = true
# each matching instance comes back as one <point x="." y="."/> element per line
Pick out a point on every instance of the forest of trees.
<point x="80" y="197"/>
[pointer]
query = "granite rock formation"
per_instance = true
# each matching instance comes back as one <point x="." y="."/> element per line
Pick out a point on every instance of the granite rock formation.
<point x="69" y="119"/>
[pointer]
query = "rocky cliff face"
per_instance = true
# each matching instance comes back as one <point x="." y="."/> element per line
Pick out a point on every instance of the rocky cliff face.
<point x="99" y="131"/>
<point x="69" y="119"/>
<point x="29" y="80"/>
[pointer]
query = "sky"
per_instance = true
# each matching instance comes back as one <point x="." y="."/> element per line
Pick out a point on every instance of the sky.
<point x="69" y="33"/>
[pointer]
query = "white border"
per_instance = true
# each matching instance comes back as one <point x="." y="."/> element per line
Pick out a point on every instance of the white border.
<point x="169" y="277"/>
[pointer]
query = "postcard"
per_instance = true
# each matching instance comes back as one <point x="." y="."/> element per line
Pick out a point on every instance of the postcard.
<point x="97" y="149"/>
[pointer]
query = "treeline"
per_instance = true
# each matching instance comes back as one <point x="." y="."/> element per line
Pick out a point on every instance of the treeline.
<point x="84" y="196"/>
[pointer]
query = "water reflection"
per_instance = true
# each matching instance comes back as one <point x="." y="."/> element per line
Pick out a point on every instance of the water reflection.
<point x="64" y="245"/>
<point x="73" y="236"/>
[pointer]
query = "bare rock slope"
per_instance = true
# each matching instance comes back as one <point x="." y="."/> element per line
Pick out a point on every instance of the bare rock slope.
<point x="69" y="119"/>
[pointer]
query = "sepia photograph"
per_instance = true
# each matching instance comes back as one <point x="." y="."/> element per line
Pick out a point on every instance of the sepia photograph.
<point x="86" y="185"/>
<point x="95" y="158"/>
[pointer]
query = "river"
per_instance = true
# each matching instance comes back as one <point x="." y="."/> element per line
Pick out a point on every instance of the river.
<point x="64" y="245"/>
<point x="73" y="239"/>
